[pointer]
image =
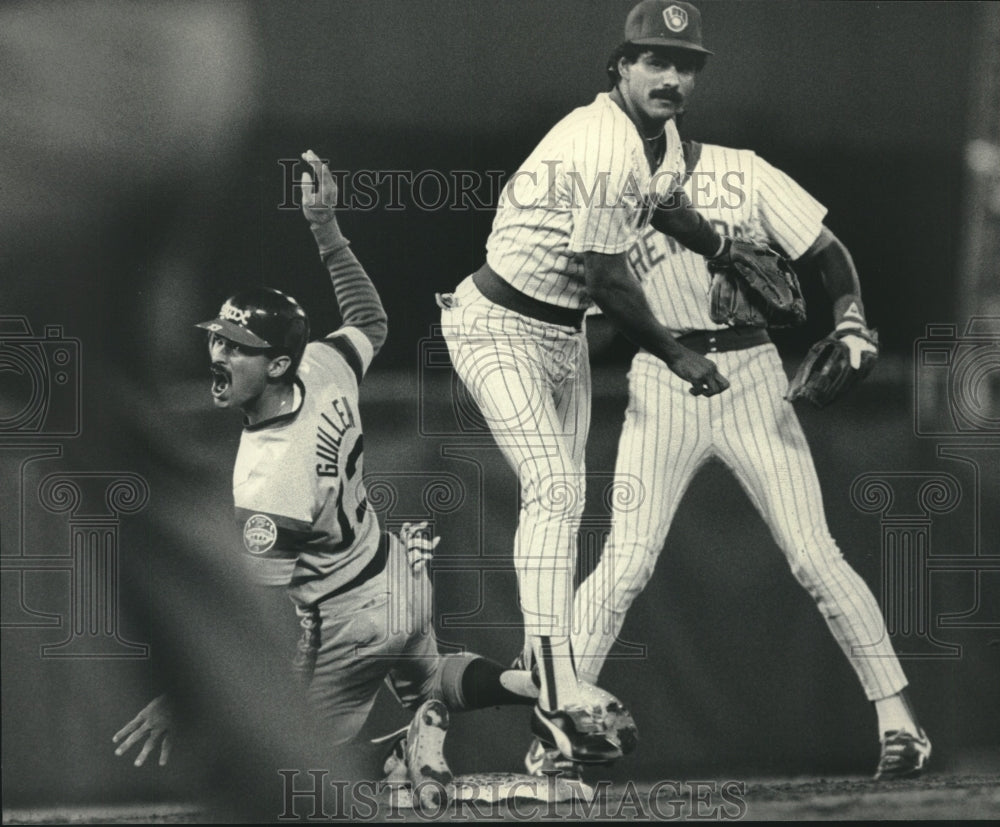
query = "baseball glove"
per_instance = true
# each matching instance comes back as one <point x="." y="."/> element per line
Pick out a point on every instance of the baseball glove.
<point x="754" y="286"/>
<point x="828" y="370"/>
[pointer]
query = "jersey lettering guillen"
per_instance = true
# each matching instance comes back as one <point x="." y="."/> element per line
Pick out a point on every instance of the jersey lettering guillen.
<point x="742" y="195"/>
<point x="298" y="480"/>
<point x="587" y="187"/>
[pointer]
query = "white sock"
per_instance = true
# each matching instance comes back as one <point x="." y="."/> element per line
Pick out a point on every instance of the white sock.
<point x="894" y="713"/>
<point x="556" y="670"/>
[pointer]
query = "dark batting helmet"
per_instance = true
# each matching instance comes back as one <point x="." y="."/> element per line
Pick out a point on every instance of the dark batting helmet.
<point x="263" y="318"/>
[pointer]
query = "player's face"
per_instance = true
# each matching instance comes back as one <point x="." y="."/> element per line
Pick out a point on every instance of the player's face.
<point x="658" y="84"/>
<point x="239" y="374"/>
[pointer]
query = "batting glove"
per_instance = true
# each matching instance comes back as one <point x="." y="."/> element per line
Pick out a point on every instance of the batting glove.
<point x="418" y="543"/>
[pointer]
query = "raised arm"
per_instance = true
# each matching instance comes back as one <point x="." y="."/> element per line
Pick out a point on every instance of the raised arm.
<point x="358" y="300"/>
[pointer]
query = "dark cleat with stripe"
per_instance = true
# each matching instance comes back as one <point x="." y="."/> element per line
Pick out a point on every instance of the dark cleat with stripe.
<point x="577" y="733"/>
<point x="904" y="755"/>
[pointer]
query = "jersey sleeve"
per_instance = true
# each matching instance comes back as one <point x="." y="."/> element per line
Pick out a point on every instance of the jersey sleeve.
<point x="791" y="216"/>
<point x="600" y="184"/>
<point x="274" y="522"/>
<point x="354" y="347"/>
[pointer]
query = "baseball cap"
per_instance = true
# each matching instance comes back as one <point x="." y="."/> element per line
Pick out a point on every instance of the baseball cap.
<point x="669" y="23"/>
<point x="262" y="317"/>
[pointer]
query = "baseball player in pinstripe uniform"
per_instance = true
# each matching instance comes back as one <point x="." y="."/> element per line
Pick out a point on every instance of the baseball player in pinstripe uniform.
<point x="668" y="435"/>
<point x="559" y="244"/>
<point x="363" y="596"/>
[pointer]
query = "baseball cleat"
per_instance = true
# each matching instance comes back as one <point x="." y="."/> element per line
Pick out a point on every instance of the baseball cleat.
<point x="394" y="764"/>
<point x="620" y="727"/>
<point x="577" y="733"/>
<point x="426" y="766"/>
<point x="541" y="760"/>
<point x="613" y="717"/>
<point x="903" y="754"/>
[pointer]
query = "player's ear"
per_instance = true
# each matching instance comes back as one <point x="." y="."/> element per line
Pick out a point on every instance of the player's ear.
<point x="277" y="367"/>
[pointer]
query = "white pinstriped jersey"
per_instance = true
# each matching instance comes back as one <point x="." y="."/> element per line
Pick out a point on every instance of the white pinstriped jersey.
<point x="668" y="434"/>
<point x="298" y="479"/>
<point x="743" y="196"/>
<point x="587" y="187"/>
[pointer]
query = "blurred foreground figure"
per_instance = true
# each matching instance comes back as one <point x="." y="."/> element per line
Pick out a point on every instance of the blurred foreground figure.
<point x="120" y="122"/>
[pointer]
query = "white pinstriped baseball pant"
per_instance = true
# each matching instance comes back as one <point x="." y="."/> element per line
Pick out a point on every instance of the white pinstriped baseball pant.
<point x="531" y="379"/>
<point x="667" y="435"/>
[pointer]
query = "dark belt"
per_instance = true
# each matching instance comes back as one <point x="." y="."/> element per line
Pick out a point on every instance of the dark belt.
<point x="500" y="292"/>
<point x="729" y="338"/>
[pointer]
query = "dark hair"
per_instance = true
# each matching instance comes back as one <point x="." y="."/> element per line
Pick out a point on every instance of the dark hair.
<point x="633" y="51"/>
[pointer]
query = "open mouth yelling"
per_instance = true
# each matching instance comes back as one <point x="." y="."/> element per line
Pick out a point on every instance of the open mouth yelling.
<point x="221" y="381"/>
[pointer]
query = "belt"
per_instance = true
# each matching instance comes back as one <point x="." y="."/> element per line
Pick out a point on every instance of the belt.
<point x="728" y="338"/>
<point x="500" y="292"/>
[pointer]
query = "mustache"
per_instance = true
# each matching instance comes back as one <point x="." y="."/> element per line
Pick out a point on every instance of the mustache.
<point x="668" y="94"/>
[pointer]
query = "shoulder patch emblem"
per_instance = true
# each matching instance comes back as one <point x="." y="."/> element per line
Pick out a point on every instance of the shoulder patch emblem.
<point x="676" y="18"/>
<point x="259" y="534"/>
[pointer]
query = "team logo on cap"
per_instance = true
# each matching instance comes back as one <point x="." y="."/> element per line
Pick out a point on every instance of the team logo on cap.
<point x="676" y="18"/>
<point x="259" y="534"/>
<point x="232" y="313"/>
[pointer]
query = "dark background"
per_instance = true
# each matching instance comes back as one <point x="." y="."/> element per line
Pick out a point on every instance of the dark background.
<point x="143" y="149"/>
<point x="864" y="104"/>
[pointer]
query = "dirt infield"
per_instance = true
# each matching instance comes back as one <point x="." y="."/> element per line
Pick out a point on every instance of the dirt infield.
<point x="939" y="797"/>
<point x="944" y="797"/>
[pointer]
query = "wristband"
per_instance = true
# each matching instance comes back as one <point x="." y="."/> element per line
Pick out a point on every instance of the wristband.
<point x="328" y="237"/>
<point x="849" y="311"/>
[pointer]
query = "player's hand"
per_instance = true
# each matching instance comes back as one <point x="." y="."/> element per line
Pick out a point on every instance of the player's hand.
<point x="702" y="373"/>
<point x="153" y="725"/>
<point x="418" y="543"/>
<point x="858" y="340"/>
<point x="319" y="190"/>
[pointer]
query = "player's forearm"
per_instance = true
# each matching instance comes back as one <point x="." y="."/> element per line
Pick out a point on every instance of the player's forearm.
<point x="837" y="272"/>
<point x="619" y="296"/>
<point x="677" y="218"/>
<point x="359" y="302"/>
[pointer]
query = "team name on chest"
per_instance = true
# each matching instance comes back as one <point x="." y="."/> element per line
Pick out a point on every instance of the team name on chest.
<point x="330" y="430"/>
<point x="652" y="247"/>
